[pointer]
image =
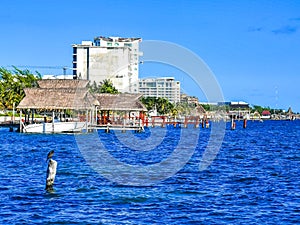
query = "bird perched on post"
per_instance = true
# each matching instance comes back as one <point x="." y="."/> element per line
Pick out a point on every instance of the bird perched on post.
<point x="50" y="154"/>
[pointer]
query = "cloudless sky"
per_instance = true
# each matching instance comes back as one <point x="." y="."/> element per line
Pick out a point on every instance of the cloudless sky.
<point x="252" y="47"/>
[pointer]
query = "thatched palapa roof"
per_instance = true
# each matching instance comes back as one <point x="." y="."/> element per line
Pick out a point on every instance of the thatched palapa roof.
<point x="58" y="94"/>
<point x="50" y="98"/>
<point x="74" y="94"/>
<point x="120" y="102"/>
<point x="62" y="83"/>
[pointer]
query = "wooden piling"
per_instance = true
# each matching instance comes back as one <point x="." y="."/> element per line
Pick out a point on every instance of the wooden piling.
<point x="206" y="124"/>
<point x="197" y="123"/>
<point x="232" y="124"/>
<point x="245" y="123"/>
<point x="51" y="172"/>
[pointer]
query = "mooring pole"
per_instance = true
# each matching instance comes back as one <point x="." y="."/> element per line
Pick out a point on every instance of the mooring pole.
<point x="245" y="123"/>
<point x="53" y="116"/>
<point x="51" y="172"/>
<point x="21" y="121"/>
<point x="232" y="124"/>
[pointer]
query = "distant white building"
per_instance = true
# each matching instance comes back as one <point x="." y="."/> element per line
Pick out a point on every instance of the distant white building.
<point x="113" y="58"/>
<point x="62" y="76"/>
<point x="189" y="99"/>
<point x="164" y="87"/>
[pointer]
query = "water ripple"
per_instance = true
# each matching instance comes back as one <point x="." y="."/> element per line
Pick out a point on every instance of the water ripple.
<point x="253" y="180"/>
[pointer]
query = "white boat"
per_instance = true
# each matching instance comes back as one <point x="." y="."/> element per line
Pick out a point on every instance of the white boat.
<point x="58" y="127"/>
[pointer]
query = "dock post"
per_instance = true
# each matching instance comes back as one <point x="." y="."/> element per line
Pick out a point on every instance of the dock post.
<point x="124" y="125"/>
<point x="107" y="130"/>
<point x="207" y="124"/>
<point x="86" y="120"/>
<point x="32" y="115"/>
<point x="197" y="122"/>
<point x="141" y="125"/>
<point x="20" y="121"/>
<point x="163" y="122"/>
<point x="147" y="121"/>
<point x="53" y="121"/>
<point x="245" y="123"/>
<point x="51" y="172"/>
<point x="185" y="122"/>
<point x="232" y="124"/>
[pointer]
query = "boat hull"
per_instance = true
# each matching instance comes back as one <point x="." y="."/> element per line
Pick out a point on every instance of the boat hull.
<point x="59" y="127"/>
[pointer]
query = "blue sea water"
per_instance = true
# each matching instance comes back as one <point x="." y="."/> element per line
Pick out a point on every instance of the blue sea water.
<point x="254" y="179"/>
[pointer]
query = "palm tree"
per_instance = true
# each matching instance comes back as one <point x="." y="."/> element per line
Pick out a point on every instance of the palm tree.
<point x="106" y="86"/>
<point x="12" y="84"/>
<point x="163" y="105"/>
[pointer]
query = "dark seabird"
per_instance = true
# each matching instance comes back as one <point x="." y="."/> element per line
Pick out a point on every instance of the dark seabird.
<point x="50" y="154"/>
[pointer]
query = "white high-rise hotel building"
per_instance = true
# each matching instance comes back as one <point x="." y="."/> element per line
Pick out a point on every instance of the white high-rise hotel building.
<point x="111" y="58"/>
<point x="117" y="59"/>
<point x="164" y="87"/>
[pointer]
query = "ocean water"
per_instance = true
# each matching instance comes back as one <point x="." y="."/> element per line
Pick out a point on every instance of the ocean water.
<point x="254" y="179"/>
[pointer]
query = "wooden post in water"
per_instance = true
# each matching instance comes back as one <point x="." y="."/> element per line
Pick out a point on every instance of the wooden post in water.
<point x="21" y="130"/>
<point x="185" y="122"/>
<point x="232" y="124"/>
<point x="245" y="123"/>
<point x="197" y="122"/>
<point x="207" y="123"/>
<point x="53" y="115"/>
<point x="51" y="172"/>
<point x="163" y="122"/>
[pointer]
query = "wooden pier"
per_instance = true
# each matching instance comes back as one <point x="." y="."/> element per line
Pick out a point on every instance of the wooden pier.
<point x="108" y="128"/>
<point x="162" y="121"/>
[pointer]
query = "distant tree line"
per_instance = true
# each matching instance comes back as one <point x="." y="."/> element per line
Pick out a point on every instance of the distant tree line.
<point x="254" y="108"/>
<point x="260" y="109"/>
<point x="12" y="84"/>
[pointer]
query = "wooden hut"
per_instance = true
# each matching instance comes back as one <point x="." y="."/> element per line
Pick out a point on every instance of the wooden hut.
<point x="124" y="110"/>
<point x="56" y="96"/>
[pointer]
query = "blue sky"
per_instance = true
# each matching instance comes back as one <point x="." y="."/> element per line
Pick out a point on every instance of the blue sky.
<point x="252" y="47"/>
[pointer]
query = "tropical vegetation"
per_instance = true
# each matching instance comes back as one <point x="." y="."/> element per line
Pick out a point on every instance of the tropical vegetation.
<point x="106" y="86"/>
<point x="260" y="109"/>
<point x="12" y="84"/>
<point x="162" y="105"/>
